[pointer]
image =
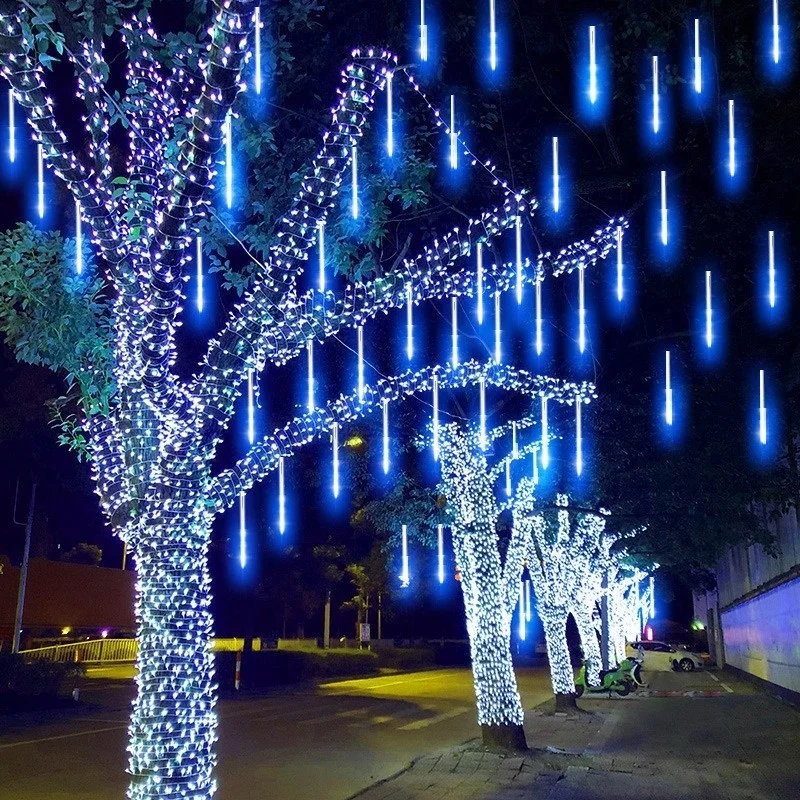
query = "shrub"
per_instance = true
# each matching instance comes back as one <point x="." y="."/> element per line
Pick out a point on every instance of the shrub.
<point x="21" y="679"/>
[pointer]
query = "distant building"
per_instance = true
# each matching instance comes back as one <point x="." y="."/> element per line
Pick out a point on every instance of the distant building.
<point x="67" y="601"/>
<point x="753" y="617"/>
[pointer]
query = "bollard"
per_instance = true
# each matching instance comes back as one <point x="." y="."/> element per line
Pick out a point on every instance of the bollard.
<point x="238" y="674"/>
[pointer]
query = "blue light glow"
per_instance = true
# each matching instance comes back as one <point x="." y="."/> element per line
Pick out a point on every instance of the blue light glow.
<point x="389" y="116"/>
<point x="652" y="597"/>
<point x="776" y="33"/>
<point x="423" y="33"/>
<point x="227" y="133"/>
<point x="592" y="82"/>
<point x="435" y="417"/>
<point x="354" y="209"/>
<point x="731" y="140"/>
<point x="404" y="576"/>
<point x="12" y="133"/>
<point x="592" y="64"/>
<point x="578" y="438"/>
<point x="709" y="312"/>
<point x="454" y="330"/>
<point x="40" y="180"/>
<point x="556" y="178"/>
<point x="545" y="436"/>
<point x="698" y="61"/>
<point x="281" y="497"/>
<point x="409" y="320"/>
<point x="385" y="404"/>
<point x="772" y="291"/>
<point x="479" y="288"/>
<point x="539" y="342"/>
<point x="656" y="98"/>
<point x="251" y="414"/>
<point x="762" y="409"/>
<point x="664" y="211"/>
<point x="498" y="331"/>
<point x="335" y="448"/>
<point x="453" y="134"/>
<point x="668" y="409"/>
<point x="492" y="36"/>
<point x="310" y="377"/>
<point x="257" y="48"/>
<point x="79" y="240"/>
<point x="440" y="544"/>
<point x="581" y="309"/>
<point x="620" y="266"/>
<point x="360" y="341"/>
<point x="198" y="264"/>
<point x="242" y="532"/>
<point x="482" y="415"/>
<point x="518" y="255"/>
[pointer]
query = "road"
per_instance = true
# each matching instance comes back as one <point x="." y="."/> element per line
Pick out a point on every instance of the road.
<point x="327" y="742"/>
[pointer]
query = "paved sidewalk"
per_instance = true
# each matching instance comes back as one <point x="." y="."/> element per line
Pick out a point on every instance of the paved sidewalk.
<point x="685" y="740"/>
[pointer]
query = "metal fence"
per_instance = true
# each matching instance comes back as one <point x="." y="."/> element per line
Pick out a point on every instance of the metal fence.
<point x="93" y="651"/>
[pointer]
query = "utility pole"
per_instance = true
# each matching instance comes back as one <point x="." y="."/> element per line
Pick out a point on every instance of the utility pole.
<point x="23" y="572"/>
<point x="326" y="629"/>
<point x="380" y="612"/>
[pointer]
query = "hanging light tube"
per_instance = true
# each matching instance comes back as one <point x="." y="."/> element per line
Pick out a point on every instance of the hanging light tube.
<point x="404" y="576"/>
<point x="321" y="248"/>
<point x="228" y="142"/>
<point x="731" y="140"/>
<point x="508" y="477"/>
<point x="440" y="543"/>
<point x="772" y="293"/>
<point x="668" y="391"/>
<point x="620" y="266"/>
<point x="454" y="330"/>
<point x="578" y="437"/>
<point x="423" y="33"/>
<point x="310" y="348"/>
<point x="556" y="178"/>
<point x="482" y="418"/>
<point x="776" y="35"/>
<point x="498" y="353"/>
<point x="335" y="442"/>
<point x="281" y="497"/>
<point x="360" y="337"/>
<point x="581" y="309"/>
<point x="479" y="279"/>
<point x="198" y="259"/>
<point x="698" y="61"/>
<point x="257" y="26"/>
<point x="539" y="343"/>
<point x="242" y="532"/>
<point x="664" y="226"/>
<point x="492" y="36"/>
<point x="656" y="98"/>
<point x="12" y="132"/>
<point x="709" y="311"/>
<point x="453" y="134"/>
<point x="385" y="403"/>
<point x="389" y="116"/>
<point x="535" y="466"/>
<point x="518" y="254"/>
<point x="514" y="445"/>
<point x="409" y="320"/>
<point x="40" y="179"/>
<point x="545" y="435"/>
<point x="762" y="409"/>
<point x="521" y="612"/>
<point x="592" y="64"/>
<point x="435" y="417"/>
<point x="528" y="601"/>
<point x="251" y="413"/>
<point x="79" y="239"/>
<point x="354" y="182"/>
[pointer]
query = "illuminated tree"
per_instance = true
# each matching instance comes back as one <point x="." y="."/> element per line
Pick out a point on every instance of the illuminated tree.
<point x="152" y="434"/>
<point x="562" y="559"/>
<point x="628" y="606"/>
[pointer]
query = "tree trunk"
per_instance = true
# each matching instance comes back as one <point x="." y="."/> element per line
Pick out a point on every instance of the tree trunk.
<point x="591" y="646"/>
<point x="500" y="713"/>
<point x="554" y="622"/>
<point x="173" y="723"/>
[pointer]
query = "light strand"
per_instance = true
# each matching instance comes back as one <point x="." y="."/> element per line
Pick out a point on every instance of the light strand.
<point x="492" y="36"/>
<point x="581" y="310"/>
<point x="776" y="35"/>
<point x="423" y="33"/>
<point x="257" y="33"/>
<point x="435" y="392"/>
<point x="539" y="342"/>
<point x="251" y="414"/>
<point x="321" y="251"/>
<point x="482" y="441"/>
<point x="40" y="180"/>
<point x="522" y="612"/>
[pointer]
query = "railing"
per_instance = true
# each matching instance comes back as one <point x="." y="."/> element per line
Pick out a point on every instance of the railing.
<point x="92" y="651"/>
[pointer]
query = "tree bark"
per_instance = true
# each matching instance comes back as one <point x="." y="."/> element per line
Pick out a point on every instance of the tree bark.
<point x="591" y="646"/>
<point x="173" y="723"/>
<point x="554" y="622"/>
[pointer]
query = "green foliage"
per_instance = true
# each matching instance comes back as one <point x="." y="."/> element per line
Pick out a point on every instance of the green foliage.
<point x="83" y="553"/>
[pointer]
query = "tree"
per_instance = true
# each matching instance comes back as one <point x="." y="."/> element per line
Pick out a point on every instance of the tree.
<point x="152" y="434"/>
<point x="83" y="553"/>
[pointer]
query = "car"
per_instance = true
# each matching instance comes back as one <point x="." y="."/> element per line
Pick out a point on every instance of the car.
<point x="664" y="656"/>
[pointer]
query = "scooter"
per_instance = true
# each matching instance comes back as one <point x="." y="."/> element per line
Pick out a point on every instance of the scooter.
<point x="631" y="668"/>
<point x="612" y="680"/>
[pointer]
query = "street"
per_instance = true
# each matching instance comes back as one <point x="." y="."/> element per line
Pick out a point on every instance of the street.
<point x="326" y="743"/>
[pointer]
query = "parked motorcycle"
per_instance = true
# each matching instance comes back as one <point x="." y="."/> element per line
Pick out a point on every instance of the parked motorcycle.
<point x="631" y="668"/>
<point x="612" y="680"/>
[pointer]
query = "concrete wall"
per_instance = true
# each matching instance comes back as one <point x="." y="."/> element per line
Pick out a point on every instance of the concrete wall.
<point x="762" y="635"/>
